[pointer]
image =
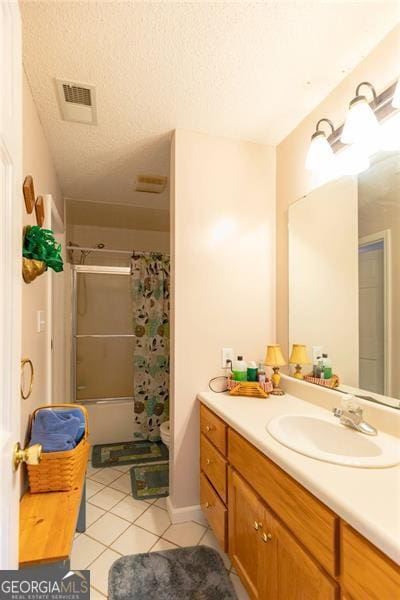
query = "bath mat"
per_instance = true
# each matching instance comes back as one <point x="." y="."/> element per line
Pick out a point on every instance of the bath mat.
<point x="128" y="453"/>
<point x="150" y="481"/>
<point x="195" y="573"/>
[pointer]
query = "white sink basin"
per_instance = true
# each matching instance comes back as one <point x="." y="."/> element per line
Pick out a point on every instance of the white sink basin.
<point x="324" y="438"/>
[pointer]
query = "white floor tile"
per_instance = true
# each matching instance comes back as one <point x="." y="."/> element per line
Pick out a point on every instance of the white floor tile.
<point x="134" y="540"/>
<point x="95" y="595"/>
<point x="123" y="468"/>
<point x="123" y="483"/>
<point x="93" y="513"/>
<point x="99" y="570"/>
<point x="155" y="520"/>
<point x="185" y="534"/>
<point x="105" y="476"/>
<point x="107" y="528"/>
<point x="91" y="470"/>
<point x="161" y="503"/>
<point x="107" y="498"/>
<point x="209" y="539"/>
<point x="84" y="551"/>
<point x="129" y="508"/>
<point x="239" y="589"/>
<point x="92" y="487"/>
<point x="162" y="545"/>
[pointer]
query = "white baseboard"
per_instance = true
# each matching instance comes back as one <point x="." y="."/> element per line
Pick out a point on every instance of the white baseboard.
<point x="186" y="513"/>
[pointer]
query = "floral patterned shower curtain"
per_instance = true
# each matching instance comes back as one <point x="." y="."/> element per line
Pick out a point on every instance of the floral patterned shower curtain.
<point x="150" y="295"/>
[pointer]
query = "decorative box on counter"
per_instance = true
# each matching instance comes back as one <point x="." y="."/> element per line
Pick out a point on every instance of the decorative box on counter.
<point x="255" y="389"/>
<point x="332" y="382"/>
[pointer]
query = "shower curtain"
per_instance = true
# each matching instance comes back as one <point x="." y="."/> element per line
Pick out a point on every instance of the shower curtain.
<point x="150" y="301"/>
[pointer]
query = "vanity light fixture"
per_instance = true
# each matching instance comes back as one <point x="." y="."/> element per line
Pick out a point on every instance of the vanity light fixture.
<point x="361" y="124"/>
<point x="320" y="152"/>
<point x="396" y="96"/>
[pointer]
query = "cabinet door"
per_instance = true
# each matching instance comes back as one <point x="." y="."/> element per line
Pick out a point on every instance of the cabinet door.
<point x="298" y="576"/>
<point x="248" y="553"/>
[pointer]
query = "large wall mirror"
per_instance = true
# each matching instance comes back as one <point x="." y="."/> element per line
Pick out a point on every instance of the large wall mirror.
<point x="344" y="277"/>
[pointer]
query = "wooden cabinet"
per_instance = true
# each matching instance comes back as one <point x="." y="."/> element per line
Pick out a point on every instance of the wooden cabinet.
<point x="367" y="574"/>
<point x="283" y="542"/>
<point x="267" y="557"/>
<point x="250" y="555"/>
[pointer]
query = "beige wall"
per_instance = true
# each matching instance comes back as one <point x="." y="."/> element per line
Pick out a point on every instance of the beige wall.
<point x="119" y="238"/>
<point x="37" y="162"/>
<point x="223" y="274"/>
<point x="381" y="68"/>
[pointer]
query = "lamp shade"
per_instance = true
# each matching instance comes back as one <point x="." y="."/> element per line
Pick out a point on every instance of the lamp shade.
<point x="274" y="357"/>
<point x="396" y="96"/>
<point x="320" y="153"/>
<point x="299" y="355"/>
<point x="361" y="124"/>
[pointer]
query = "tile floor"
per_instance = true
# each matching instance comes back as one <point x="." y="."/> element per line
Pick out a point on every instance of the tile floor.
<point x="117" y="524"/>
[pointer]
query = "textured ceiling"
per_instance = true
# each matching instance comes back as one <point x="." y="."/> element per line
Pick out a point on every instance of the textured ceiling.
<point x="248" y="70"/>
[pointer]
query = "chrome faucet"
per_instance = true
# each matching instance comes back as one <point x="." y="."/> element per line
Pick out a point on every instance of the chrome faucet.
<point x="351" y="415"/>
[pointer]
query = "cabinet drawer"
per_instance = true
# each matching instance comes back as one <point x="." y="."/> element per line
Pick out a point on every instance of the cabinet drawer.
<point x="367" y="574"/>
<point x="213" y="428"/>
<point x="311" y="522"/>
<point x="214" y="466"/>
<point x="214" y="510"/>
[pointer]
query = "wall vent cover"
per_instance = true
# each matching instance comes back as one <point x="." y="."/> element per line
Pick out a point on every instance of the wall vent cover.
<point x="155" y="184"/>
<point x="77" y="101"/>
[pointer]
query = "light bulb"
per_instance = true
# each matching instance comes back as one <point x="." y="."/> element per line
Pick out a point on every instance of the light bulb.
<point x="396" y="96"/>
<point x="352" y="160"/>
<point x="361" y="124"/>
<point x="390" y="134"/>
<point x="319" y="153"/>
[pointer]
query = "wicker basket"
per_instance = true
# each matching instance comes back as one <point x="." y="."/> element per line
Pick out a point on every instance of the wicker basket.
<point x="56" y="471"/>
<point x="255" y="389"/>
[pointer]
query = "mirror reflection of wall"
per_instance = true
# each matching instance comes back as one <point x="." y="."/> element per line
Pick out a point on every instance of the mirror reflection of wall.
<point x="379" y="275"/>
<point x="344" y="275"/>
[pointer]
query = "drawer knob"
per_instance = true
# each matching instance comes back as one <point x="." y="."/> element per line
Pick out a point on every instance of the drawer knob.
<point x="209" y="428"/>
<point x="208" y="461"/>
<point x="257" y="525"/>
<point x="266" y="537"/>
<point x="207" y="505"/>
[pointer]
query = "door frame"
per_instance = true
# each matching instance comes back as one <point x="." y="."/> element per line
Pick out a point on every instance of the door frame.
<point x="385" y="237"/>
<point x="11" y="201"/>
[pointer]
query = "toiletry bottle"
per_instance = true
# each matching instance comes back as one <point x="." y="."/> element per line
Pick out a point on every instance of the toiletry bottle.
<point x="319" y="367"/>
<point x="261" y="376"/>
<point x="251" y="371"/>
<point x="327" y="367"/>
<point x="239" y="368"/>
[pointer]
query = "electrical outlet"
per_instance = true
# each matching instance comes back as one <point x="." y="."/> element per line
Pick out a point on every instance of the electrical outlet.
<point x="226" y="355"/>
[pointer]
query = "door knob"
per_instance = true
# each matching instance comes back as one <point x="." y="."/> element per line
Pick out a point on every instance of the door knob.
<point x="31" y="455"/>
<point x="257" y="525"/>
<point x="266" y="537"/>
<point x="208" y="461"/>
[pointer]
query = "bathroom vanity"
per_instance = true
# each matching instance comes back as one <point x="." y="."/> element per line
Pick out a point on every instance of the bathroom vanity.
<point x="290" y="522"/>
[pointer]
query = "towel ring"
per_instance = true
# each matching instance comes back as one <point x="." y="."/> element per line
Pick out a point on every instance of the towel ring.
<point x="27" y="361"/>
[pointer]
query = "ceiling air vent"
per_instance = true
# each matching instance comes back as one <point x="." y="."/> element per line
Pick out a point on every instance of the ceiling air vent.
<point x="154" y="184"/>
<point x="77" y="101"/>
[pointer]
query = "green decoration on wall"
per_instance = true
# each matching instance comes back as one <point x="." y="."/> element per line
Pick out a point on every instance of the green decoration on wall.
<point x="39" y="244"/>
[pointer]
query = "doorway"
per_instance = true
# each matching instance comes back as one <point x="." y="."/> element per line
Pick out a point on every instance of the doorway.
<point x="374" y="312"/>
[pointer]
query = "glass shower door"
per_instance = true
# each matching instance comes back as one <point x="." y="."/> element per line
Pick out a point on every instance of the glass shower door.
<point x="103" y="337"/>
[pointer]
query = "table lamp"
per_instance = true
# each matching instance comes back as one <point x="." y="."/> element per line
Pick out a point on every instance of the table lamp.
<point x="274" y="359"/>
<point x="299" y="357"/>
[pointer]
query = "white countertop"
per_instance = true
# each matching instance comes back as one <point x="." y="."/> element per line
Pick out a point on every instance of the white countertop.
<point x="367" y="499"/>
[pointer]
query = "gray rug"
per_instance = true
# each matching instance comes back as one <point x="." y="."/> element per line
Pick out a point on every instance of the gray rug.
<point x="195" y="573"/>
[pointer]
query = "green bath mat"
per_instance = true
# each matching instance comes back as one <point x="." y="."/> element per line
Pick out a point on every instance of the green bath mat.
<point x="128" y="453"/>
<point x="150" y="481"/>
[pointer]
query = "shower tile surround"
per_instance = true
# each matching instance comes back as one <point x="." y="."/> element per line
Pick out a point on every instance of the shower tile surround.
<point x="118" y="524"/>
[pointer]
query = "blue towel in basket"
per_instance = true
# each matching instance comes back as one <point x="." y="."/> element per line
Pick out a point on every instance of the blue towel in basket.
<point x="56" y="432"/>
<point x="53" y="442"/>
